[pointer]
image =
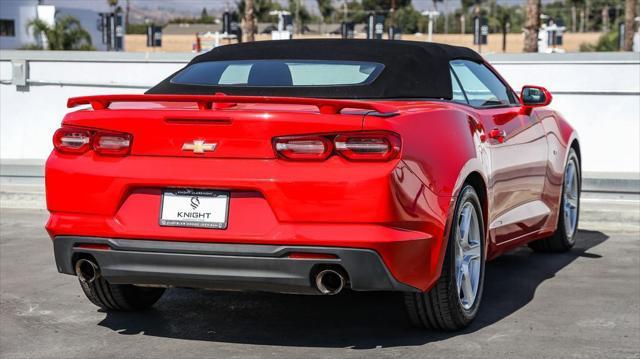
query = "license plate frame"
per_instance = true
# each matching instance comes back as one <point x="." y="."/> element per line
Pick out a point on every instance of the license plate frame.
<point x="175" y="201"/>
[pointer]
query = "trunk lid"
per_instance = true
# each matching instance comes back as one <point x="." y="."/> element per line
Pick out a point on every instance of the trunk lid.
<point x="242" y="130"/>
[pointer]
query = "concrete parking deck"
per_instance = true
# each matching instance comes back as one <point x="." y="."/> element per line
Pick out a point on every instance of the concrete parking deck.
<point x="580" y="304"/>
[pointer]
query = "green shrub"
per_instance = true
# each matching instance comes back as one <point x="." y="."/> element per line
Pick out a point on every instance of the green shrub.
<point x="606" y="42"/>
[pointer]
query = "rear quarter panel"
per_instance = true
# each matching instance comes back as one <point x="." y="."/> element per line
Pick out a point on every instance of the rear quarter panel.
<point x="440" y="142"/>
<point x="440" y="147"/>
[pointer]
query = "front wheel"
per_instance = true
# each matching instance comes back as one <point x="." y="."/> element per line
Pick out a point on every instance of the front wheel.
<point x="564" y="237"/>
<point x="454" y="300"/>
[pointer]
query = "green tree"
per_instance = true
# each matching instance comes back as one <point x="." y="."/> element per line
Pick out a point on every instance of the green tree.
<point x="467" y="4"/>
<point x="384" y="5"/>
<point x="573" y="5"/>
<point x="502" y="18"/>
<point x="586" y="15"/>
<point x="140" y="29"/>
<point x="66" y="34"/>
<point x="326" y="9"/>
<point x="606" y="42"/>
<point x="205" y="18"/>
<point x="356" y="12"/>
<point x="464" y="19"/>
<point x="300" y="14"/>
<point x="409" y="20"/>
<point x="261" y="9"/>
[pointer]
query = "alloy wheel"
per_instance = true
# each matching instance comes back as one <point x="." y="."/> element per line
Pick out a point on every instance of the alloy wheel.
<point x="468" y="255"/>
<point x="571" y="201"/>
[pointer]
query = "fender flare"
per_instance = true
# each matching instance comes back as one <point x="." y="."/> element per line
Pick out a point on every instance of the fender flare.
<point x="473" y="165"/>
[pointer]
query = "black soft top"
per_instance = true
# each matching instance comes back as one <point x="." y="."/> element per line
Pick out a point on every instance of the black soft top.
<point x="412" y="69"/>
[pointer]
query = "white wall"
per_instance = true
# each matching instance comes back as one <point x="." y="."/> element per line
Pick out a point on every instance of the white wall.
<point x="600" y="97"/>
<point x="28" y="117"/>
<point x="599" y="94"/>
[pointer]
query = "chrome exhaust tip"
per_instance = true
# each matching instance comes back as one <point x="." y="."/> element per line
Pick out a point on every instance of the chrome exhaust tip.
<point x="87" y="271"/>
<point x="329" y="282"/>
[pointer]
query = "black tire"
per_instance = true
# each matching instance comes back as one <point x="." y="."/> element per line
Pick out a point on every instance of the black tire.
<point x="441" y="307"/>
<point x="559" y="241"/>
<point x="120" y="297"/>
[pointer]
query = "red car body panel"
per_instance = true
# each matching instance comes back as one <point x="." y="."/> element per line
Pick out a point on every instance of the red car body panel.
<point x="401" y="209"/>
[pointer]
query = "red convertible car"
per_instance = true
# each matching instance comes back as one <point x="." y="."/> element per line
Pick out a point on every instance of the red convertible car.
<point x="310" y="167"/>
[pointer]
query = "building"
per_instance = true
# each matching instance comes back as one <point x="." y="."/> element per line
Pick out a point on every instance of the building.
<point x="14" y="17"/>
<point x="16" y="14"/>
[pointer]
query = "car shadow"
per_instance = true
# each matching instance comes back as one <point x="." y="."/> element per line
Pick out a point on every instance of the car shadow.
<point x="352" y="319"/>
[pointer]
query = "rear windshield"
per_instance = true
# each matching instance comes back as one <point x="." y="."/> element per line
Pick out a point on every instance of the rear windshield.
<point x="279" y="73"/>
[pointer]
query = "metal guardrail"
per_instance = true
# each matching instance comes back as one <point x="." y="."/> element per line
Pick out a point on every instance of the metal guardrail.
<point x="596" y="93"/>
<point x="96" y="56"/>
<point x="145" y="87"/>
<point x="617" y="58"/>
<point x="86" y="84"/>
<point x="183" y="57"/>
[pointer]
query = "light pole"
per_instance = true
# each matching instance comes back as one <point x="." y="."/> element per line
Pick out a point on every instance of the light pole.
<point x="431" y="15"/>
<point x="281" y="33"/>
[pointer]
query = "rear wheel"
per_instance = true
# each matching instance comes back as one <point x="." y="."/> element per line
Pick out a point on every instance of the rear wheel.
<point x="454" y="300"/>
<point x="120" y="297"/>
<point x="564" y="237"/>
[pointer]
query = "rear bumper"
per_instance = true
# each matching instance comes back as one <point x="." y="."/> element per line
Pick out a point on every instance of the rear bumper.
<point x="224" y="266"/>
<point x="379" y="207"/>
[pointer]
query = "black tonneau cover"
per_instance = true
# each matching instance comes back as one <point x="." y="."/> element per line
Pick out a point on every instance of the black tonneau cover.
<point x="412" y="69"/>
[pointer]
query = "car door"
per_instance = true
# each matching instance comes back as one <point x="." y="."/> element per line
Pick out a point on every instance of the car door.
<point x="518" y="152"/>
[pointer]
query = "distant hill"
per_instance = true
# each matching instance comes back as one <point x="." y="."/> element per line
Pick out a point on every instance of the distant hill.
<point x="159" y="14"/>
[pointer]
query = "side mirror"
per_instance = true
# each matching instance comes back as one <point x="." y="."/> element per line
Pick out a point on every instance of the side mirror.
<point x="535" y="96"/>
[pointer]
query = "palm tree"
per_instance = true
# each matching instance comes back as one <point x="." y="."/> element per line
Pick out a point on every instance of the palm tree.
<point x="503" y="17"/>
<point x="466" y="4"/>
<point x="629" y="19"/>
<point x="325" y="7"/>
<point x="66" y="34"/>
<point x="574" y="13"/>
<point x="249" y="20"/>
<point x="532" y="26"/>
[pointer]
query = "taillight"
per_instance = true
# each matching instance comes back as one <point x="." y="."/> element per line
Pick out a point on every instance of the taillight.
<point x="80" y="140"/>
<point x="310" y="148"/>
<point x="113" y="144"/>
<point x="72" y="140"/>
<point x="354" y="146"/>
<point x="373" y="146"/>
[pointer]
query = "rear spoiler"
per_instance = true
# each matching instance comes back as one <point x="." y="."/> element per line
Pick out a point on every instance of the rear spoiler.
<point x="207" y="102"/>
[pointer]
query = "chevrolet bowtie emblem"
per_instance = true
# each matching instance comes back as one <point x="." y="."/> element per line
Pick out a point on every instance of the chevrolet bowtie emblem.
<point x="199" y="146"/>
